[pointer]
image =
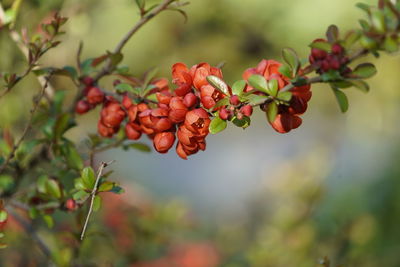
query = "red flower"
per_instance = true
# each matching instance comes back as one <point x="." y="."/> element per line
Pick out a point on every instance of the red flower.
<point x="200" y="72"/>
<point x="210" y="96"/>
<point x="133" y="131"/>
<point x="163" y="141"/>
<point x="178" y="110"/>
<point x="106" y="131"/>
<point x="197" y="121"/>
<point x="182" y="78"/>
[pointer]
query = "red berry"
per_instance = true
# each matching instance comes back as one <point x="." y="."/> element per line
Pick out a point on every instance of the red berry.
<point x="247" y="110"/>
<point x="70" y="204"/>
<point x="82" y="107"/>
<point x="224" y="114"/>
<point x="318" y="54"/>
<point x="337" y="49"/>
<point x="88" y="81"/>
<point x="234" y="100"/>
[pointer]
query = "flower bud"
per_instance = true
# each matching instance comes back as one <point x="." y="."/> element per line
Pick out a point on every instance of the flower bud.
<point x="106" y="131"/>
<point x="132" y="131"/>
<point x="163" y="141"/>
<point x="95" y="95"/>
<point x="190" y="100"/>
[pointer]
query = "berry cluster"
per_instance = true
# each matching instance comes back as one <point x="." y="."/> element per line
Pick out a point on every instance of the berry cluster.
<point x="93" y="96"/>
<point x="334" y="59"/>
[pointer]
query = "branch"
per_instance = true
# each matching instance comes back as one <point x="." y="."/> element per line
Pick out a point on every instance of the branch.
<point x="27" y="127"/>
<point x="24" y="50"/>
<point x="161" y="7"/>
<point x="93" y="195"/>
<point x="32" y="232"/>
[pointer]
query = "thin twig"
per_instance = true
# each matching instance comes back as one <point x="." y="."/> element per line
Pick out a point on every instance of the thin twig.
<point x="15" y="36"/>
<point x="32" y="232"/>
<point x="93" y="195"/>
<point x="27" y="127"/>
<point x="161" y="7"/>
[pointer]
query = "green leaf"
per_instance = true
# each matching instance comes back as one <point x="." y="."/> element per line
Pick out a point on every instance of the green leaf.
<point x="117" y="190"/>
<point x="96" y="203"/>
<point x="63" y="123"/>
<point x="273" y="87"/>
<point x="243" y="123"/>
<point x="149" y="76"/>
<point x="41" y="184"/>
<point x="285" y="96"/>
<point x="139" y="146"/>
<point x="238" y="87"/>
<point x="364" y="71"/>
<point x="272" y="111"/>
<point x="86" y="66"/>
<point x="259" y="83"/>
<point x="115" y="58"/>
<point x="218" y="84"/>
<point x="223" y="102"/>
<point x="80" y="195"/>
<point x="341" y="99"/>
<point x="48" y="220"/>
<point x="285" y="70"/>
<point x="378" y="20"/>
<point x="363" y="7"/>
<point x="257" y="99"/>
<point x="33" y="213"/>
<point x="291" y="58"/>
<point x="3" y="216"/>
<point x="321" y="45"/>
<point x="78" y="184"/>
<point x="106" y="186"/>
<point x="361" y="85"/>
<point x="72" y="156"/>
<point x="124" y="87"/>
<point x="140" y="4"/>
<point x="88" y="177"/>
<point x="53" y="188"/>
<point x="351" y="38"/>
<point x="390" y="44"/>
<point x="217" y="125"/>
<point x="332" y="34"/>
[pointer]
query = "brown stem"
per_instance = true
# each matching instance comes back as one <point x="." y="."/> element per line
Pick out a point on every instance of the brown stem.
<point x="27" y="127"/>
<point x="93" y="195"/>
<point x="161" y="7"/>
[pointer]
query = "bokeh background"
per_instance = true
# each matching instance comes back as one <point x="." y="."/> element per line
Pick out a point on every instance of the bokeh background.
<point x="254" y="197"/>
